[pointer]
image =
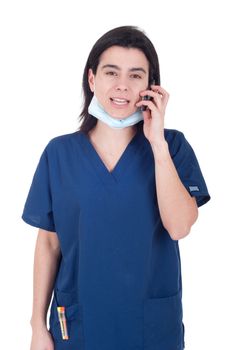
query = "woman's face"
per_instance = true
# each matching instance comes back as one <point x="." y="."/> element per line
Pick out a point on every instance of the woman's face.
<point x="121" y="75"/>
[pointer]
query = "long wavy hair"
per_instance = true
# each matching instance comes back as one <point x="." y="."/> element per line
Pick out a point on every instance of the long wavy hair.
<point x="125" y="36"/>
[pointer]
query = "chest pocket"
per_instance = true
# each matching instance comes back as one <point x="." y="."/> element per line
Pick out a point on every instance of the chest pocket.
<point x="163" y="327"/>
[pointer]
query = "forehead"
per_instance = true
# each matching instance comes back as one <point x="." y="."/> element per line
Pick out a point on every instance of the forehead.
<point x="124" y="57"/>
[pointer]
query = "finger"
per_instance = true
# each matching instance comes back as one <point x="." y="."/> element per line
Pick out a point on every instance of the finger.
<point x="147" y="92"/>
<point x="161" y="91"/>
<point x="147" y="103"/>
<point x="154" y="95"/>
<point x="158" y="88"/>
<point x="157" y="99"/>
<point x="154" y="88"/>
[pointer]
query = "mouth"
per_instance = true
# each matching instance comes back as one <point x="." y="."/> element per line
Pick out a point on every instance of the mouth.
<point x="119" y="101"/>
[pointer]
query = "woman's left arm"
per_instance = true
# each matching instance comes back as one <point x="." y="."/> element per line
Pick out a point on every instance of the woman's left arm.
<point x="178" y="210"/>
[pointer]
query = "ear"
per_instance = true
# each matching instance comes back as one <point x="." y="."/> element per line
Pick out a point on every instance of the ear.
<point x="91" y="79"/>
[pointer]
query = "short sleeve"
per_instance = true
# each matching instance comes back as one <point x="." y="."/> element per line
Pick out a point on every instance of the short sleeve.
<point x="38" y="206"/>
<point x="189" y="170"/>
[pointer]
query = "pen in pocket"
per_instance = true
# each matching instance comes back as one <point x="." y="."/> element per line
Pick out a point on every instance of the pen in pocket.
<point x="63" y="322"/>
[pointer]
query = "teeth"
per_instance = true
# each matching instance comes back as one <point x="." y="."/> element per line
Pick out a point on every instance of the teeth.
<point x="119" y="100"/>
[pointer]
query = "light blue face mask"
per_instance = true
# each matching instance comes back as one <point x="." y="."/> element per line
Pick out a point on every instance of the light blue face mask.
<point x="96" y="109"/>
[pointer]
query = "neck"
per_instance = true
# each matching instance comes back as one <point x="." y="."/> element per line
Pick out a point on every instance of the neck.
<point x="106" y="136"/>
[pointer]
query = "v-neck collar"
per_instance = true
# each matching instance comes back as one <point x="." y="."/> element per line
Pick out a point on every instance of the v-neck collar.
<point x="126" y="158"/>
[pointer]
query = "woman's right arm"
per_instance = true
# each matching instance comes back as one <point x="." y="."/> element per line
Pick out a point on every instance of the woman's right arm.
<point x="46" y="262"/>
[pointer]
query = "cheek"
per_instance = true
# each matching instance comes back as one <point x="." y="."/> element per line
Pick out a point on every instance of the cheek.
<point x="104" y="88"/>
<point x="139" y="86"/>
<point x="100" y="89"/>
<point x="136" y="92"/>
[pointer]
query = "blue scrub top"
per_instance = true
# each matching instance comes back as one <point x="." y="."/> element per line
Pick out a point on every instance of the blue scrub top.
<point x="120" y="273"/>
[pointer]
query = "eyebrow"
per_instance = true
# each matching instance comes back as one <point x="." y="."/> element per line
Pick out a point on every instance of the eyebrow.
<point x="130" y="70"/>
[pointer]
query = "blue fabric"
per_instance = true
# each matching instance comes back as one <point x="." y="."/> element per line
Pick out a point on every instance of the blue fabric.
<point x="120" y="272"/>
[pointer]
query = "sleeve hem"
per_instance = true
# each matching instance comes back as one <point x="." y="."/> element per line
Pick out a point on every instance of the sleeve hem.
<point x="38" y="225"/>
<point x="201" y="198"/>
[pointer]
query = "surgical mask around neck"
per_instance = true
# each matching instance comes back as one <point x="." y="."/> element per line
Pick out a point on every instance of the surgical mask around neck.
<point x="96" y="109"/>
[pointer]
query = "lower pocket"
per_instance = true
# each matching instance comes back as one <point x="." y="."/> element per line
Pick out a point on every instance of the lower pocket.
<point x="74" y="321"/>
<point x="163" y="327"/>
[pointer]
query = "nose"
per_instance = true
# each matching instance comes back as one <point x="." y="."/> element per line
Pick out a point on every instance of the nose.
<point x="121" y="85"/>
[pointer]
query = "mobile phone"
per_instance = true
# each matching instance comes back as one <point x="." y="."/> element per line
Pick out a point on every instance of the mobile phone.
<point x="147" y="97"/>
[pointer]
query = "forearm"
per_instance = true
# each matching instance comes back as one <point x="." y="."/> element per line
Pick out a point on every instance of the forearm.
<point x="46" y="260"/>
<point x="177" y="208"/>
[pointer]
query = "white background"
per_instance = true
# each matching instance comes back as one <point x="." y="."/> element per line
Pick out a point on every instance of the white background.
<point x="44" y="48"/>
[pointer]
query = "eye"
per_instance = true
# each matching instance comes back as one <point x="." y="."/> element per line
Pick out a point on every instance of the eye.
<point x="136" y="76"/>
<point x="110" y="73"/>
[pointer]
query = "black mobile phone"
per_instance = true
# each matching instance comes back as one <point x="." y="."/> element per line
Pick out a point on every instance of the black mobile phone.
<point x="147" y="97"/>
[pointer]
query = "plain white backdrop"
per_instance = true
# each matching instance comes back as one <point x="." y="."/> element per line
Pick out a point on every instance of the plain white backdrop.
<point x="44" y="48"/>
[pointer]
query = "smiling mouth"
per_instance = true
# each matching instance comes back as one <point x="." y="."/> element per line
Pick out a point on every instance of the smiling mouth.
<point x="119" y="101"/>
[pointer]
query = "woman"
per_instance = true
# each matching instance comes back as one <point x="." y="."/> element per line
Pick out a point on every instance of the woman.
<point x="111" y="201"/>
